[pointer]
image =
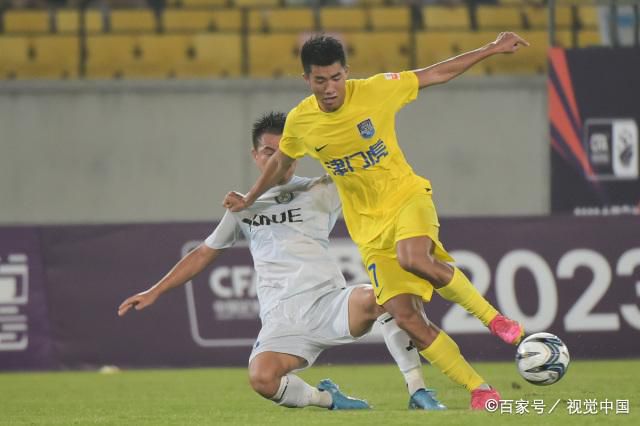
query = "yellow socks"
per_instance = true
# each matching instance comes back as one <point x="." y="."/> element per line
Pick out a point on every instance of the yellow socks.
<point x="445" y="354"/>
<point x="461" y="291"/>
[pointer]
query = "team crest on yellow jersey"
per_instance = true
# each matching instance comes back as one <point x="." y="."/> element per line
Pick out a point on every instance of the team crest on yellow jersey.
<point x="366" y="129"/>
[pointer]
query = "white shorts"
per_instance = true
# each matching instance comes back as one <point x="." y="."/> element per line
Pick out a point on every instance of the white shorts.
<point x="301" y="327"/>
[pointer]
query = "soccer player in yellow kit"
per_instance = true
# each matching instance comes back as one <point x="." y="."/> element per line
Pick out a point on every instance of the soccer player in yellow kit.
<point x="349" y="126"/>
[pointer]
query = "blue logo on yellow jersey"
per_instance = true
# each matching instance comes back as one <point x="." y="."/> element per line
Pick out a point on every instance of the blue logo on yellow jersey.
<point x="366" y="129"/>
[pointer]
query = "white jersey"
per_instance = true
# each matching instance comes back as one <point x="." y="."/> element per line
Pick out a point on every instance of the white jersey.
<point x="288" y="232"/>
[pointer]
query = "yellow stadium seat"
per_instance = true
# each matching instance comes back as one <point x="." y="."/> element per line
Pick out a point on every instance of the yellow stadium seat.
<point x="198" y="3"/>
<point x="589" y="38"/>
<point x="529" y="60"/>
<point x="446" y="18"/>
<point x="13" y="52"/>
<point x="538" y="17"/>
<point x="56" y="57"/>
<point x="40" y="57"/>
<point x="293" y="19"/>
<point x="499" y="18"/>
<point x="164" y="56"/>
<point x="343" y="18"/>
<point x="275" y="55"/>
<point x="26" y="21"/>
<point x="372" y="53"/>
<point x="138" y="20"/>
<point x="588" y="17"/>
<point x="564" y="38"/>
<point x="67" y="21"/>
<point x="256" y="3"/>
<point x="159" y="57"/>
<point x="390" y="18"/>
<point x="212" y="56"/>
<point x="108" y="55"/>
<point x="434" y="47"/>
<point x="202" y="20"/>
<point x="370" y="2"/>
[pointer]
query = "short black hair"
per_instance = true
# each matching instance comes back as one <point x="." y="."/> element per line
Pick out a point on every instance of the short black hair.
<point x="322" y="50"/>
<point x="272" y="122"/>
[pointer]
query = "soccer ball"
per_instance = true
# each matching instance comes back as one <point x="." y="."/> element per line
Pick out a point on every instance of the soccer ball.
<point x="542" y="359"/>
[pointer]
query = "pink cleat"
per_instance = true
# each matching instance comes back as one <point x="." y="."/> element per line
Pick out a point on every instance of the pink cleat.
<point x="485" y="399"/>
<point x="508" y="330"/>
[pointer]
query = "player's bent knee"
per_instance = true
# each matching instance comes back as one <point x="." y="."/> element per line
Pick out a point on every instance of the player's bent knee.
<point x="366" y="301"/>
<point x="265" y="381"/>
<point x="406" y="317"/>
<point x="421" y="265"/>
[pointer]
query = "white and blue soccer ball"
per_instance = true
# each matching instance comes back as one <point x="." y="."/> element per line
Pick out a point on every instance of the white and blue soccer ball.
<point x="542" y="359"/>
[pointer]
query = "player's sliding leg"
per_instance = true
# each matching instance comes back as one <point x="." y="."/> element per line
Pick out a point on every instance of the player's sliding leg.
<point x="270" y="376"/>
<point x="416" y="256"/>
<point x="438" y="348"/>
<point x="363" y="310"/>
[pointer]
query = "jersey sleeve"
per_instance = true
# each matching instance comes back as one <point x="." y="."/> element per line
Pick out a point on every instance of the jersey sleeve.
<point x="397" y="89"/>
<point x="291" y="144"/>
<point x="226" y="233"/>
<point x="332" y="199"/>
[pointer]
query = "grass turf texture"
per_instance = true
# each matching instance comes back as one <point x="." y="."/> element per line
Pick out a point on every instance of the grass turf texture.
<point x="223" y="396"/>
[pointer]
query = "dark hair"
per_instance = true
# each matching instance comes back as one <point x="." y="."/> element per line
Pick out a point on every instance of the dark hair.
<point x="321" y="50"/>
<point x="272" y="122"/>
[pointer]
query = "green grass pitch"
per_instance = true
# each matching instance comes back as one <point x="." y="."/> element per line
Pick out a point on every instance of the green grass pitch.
<point x="222" y="396"/>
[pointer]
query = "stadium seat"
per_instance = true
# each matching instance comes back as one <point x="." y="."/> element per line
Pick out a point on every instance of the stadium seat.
<point x="138" y="20"/>
<point x="433" y="47"/>
<point x="530" y="60"/>
<point x="26" y="21"/>
<point x="343" y="18"/>
<point x="538" y="17"/>
<point x="274" y="55"/>
<point x="202" y="20"/>
<point x="446" y="18"/>
<point x="293" y="19"/>
<point x="198" y="3"/>
<point x="256" y="3"/>
<point x="13" y="51"/>
<point x="56" y="57"/>
<point x="589" y="38"/>
<point x="372" y="53"/>
<point x="109" y="55"/>
<point x="372" y="2"/>
<point x="160" y="56"/>
<point x="212" y="56"/>
<point x="499" y="18"/>
<point x="520" y="2"/>
<point x="40" y="57"/>
<point x="67" y="21"/>
<point x="588" y="17"/>
<point x="390" y="18"/>
<point x="164" y="56"/>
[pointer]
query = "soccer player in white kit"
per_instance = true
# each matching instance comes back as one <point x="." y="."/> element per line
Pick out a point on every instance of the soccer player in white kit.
<point x="305" y="304"/>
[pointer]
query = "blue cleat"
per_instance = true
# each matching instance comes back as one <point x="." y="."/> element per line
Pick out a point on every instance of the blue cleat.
<point x="340" y="400"/>
<point x="425" y="399"/>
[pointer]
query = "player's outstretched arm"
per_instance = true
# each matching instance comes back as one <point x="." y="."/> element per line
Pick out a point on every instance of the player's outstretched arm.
<point x="446" y="70"/>
<point x="273" y="173"/>
<point x="187" y="268"/>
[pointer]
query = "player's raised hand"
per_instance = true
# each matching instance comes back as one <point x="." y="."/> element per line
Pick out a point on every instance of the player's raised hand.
<point x="508" y="43"/>
<point x="138" y="301"/>
<point x="234" y="201"/>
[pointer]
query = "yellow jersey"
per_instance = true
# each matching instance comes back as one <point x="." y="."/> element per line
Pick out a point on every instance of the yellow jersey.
<point x="358" y="148"/>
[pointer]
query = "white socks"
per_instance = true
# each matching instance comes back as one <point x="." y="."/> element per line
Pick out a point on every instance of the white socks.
<point x="403" y="352"/>
<point x="296" y="393"/>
